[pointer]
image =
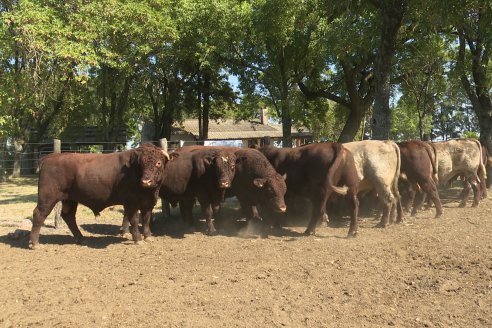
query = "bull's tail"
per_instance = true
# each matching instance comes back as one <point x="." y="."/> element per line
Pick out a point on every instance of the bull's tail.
<point x="431" y="151"/>
<point x="339" y="151"/>
<point x="481" y="167"/>
<point x="397" y="173"/>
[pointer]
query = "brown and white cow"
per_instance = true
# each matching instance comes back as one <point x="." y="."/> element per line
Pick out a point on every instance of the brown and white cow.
<point x="419" y="170"/>
<point x="131" y="178"/>
<point x="378" y="167"/>
<point x="461" y="157"/>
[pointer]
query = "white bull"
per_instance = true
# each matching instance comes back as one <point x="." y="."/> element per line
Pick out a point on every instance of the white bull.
<point x="378" y="167"/>
<point x="461" y="157"/>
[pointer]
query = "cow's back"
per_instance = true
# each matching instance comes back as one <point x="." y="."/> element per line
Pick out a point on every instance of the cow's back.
<point x="376" y="161"/>
<point x="454" y="157"/>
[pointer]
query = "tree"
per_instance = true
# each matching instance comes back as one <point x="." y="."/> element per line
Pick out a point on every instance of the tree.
<point x="391" y="13"/>
<point x="341" y="68"/>
<point x="267" y="60"/>
<point x="41" y="63"/>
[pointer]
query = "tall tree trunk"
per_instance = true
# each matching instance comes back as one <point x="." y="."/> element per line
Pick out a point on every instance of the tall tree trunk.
<point x="479" y="94"/>
<point x="199" y="103"/>
<point x="206" y="103"/>
<point x="352" y="125"/>
<point x="392" y="12"/>
<point x="284" y="105"/>
<point x="18" y="149"/>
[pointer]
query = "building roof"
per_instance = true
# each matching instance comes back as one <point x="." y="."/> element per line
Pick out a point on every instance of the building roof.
<point x="230" y="129"/>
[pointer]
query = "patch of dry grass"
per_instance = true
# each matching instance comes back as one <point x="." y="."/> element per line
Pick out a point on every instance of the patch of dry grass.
<point x="18" y="199"/>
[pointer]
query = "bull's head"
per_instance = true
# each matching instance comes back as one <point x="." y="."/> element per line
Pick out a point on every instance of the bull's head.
<point x="272" y="191"/>
<point x="225" y="166"/>
<point x="151" y="162"/>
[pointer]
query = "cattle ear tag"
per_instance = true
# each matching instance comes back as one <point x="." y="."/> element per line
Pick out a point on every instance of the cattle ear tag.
<point x="259" y="182"/>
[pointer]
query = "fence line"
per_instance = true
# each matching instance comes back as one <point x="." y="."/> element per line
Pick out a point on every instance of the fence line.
<point x="28" y="161"/>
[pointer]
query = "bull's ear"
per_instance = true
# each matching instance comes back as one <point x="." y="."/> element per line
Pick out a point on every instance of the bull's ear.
<point x="259" y="182"/>
<point x="135" y="157"/>
<point x="284" y="176"/>
<point x="173" y="156"/>
<point x="208" y="160"/>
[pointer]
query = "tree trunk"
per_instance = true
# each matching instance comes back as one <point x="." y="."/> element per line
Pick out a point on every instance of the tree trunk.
<point x="352" y="125"/>
<point x="16" y="172"/>
<point x="485" y="122"/>
<point x="206" y="103"/>
<point x="392" y="15"/>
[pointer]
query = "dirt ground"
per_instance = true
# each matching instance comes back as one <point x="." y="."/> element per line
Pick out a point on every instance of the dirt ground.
<point x="421" y="273"/>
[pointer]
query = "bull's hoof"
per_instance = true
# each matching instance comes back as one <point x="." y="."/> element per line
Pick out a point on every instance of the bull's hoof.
<point x="35" y="246"/>
<point x="190" y="229"/>
<point x="211" y="233"/>
<point x="138" y="242"/>
<point x="352" y="234"/>
<point x="462" y="204"/>
<point x="381" y="225"/>
<point x="126" y="235"/>
<point x="309" y="232"/>
<point x="149" y="239"/>
<point x="81" y="241"/>
<point x="438" y="215"/>
<point x="398" y="221"/>
<point x="475" y="205"/>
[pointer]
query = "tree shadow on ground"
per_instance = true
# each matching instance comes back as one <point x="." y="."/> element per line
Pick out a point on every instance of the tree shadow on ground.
<point x="20" y="199"/>
<point x="20" y="239"/>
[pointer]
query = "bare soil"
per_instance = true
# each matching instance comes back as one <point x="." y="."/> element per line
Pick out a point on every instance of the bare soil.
<point x="421" y="273"/>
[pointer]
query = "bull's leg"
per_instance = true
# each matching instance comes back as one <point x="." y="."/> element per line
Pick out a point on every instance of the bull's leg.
<point x="429" y="187"/>
<point x="412" y="191"/>
<point x="354" y="214"/>
<point x="318" y="211"/>
<point x="383" y="223"/>
<point x="132" y="214"/>
<point x="483" y="183"/>
<point x="186" y="209"/>
<point x="166" y="208"/>
<point x="476" y="190"/>
<point x="125" y="226"/>
<point x="69" y="208"/>
<point x="207" y="213"/>
<point x="146" y="216"/>
<point x="419" y="202"/>
<point x="39" y="214"/>
<point x="465" y="193"/>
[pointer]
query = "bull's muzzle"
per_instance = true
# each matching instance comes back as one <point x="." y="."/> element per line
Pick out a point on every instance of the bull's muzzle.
<point x="146" y="183"/>
<point x="282" y="209"/>
<point x="224" y="184"/>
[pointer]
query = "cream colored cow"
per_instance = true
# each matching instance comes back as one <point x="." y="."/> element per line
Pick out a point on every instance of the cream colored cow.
<point x="378" y="167"/>
<point x="461" y="157"/>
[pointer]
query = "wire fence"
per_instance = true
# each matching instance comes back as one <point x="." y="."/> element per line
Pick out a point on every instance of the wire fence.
<point x="25" y="161"/>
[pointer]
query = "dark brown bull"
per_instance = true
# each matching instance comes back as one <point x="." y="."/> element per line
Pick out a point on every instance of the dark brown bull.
<point x="418" y="168"/>
<point x="203" y="174"/>
<point x="255" y="181"/>
<point x="316" y="170"/>
<point x="131" y="178"/>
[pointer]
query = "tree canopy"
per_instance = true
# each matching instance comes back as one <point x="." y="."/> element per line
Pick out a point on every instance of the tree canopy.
<point x="346" y="70"/>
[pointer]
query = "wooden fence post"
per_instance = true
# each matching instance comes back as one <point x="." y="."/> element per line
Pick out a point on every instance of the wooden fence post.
<point x="58" y="206"/>
<point x="163" y="144"/>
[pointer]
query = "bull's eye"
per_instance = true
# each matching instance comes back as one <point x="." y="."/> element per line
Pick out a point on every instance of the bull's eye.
<point x="158" y="164"/>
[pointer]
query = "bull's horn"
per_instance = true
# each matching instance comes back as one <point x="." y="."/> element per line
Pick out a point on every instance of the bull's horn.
<point x="166" y="154"/>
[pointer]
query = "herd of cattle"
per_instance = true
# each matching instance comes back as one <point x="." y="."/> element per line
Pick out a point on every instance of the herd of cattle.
<point x="267" y="177"/>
